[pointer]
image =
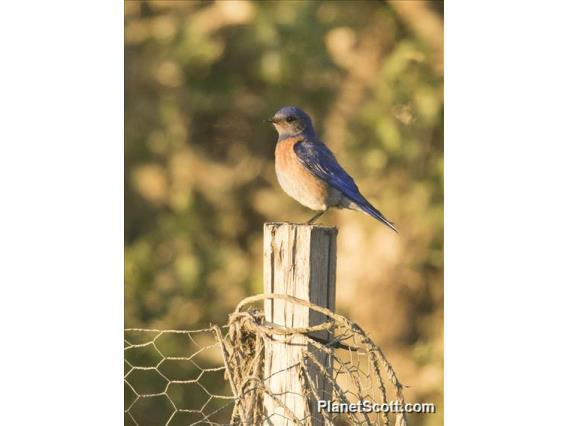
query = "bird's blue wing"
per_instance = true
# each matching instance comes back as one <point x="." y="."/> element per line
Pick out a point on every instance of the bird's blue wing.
<point x="321" y="162"/>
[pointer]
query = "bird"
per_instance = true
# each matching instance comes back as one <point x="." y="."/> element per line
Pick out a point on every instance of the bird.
<point x="308" y="171"/>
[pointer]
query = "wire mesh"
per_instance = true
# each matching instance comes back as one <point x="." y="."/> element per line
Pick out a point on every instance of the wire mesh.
<point x="175" y="377"/>
<point x="221" y="376"/>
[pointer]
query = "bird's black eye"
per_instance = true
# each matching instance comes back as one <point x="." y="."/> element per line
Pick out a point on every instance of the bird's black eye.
<point x="290" y="119"/>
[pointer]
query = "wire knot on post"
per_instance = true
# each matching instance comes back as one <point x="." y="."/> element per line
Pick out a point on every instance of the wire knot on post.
<point x="356" y="374"/>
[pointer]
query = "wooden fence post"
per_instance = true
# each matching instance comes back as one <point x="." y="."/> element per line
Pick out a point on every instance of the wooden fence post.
<point x="300" y="261"/>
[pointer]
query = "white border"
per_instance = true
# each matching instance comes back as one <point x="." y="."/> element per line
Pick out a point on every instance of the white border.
<point x="506" y="212"/>
<point x="61" y="224"/>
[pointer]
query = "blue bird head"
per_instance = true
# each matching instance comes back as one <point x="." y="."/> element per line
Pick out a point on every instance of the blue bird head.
<point x="292" y="121"/>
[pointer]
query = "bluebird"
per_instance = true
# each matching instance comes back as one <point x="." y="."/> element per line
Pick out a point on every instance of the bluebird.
<point x="308" y="171"/>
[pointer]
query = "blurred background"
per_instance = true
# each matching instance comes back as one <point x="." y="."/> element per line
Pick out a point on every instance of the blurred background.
<point x="200" y="78"/>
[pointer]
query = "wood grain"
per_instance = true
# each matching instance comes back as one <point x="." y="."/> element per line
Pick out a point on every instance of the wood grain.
<point x="299" y="260"/>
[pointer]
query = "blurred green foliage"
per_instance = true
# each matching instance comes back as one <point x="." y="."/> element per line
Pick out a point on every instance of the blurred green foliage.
<point x="200" y="77"/>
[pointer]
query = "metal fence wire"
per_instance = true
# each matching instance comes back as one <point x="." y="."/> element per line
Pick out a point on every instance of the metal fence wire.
<point x="216" y="376"/>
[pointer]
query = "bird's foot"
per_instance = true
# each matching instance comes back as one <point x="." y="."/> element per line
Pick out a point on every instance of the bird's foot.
<point x="315" y="218"/>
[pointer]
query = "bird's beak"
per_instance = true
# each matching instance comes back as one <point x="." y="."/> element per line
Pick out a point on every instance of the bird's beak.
<point x="270" y="120"/>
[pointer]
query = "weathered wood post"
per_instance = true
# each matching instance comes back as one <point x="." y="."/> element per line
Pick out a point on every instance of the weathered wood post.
<point x="300" y="261"/>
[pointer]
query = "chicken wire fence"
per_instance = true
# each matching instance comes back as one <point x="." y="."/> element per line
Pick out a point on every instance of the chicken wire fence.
<point x="223" y="375"/>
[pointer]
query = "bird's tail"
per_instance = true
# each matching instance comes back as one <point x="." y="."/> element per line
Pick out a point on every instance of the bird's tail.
<point x="373" y="212"/>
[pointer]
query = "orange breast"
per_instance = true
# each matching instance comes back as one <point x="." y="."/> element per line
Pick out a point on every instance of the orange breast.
<point x="296" y="180"/>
